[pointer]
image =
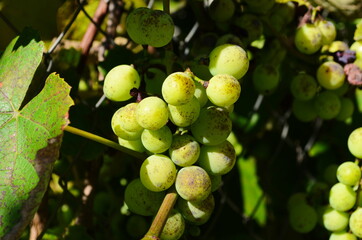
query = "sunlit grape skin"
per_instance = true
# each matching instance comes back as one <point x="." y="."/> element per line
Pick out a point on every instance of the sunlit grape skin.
<point x="174" y="226"/>
<point x="178" y="88"/>
<point x="328" y="31"/>
<point x="330" y="75"/>
<point x="349" y="173"/>
<point x="308" y="39"/>
<point x="117" y="128"/>
<point x="223" y="90"/>
<point x="119" y="81"/>
<point x="127" y="117"/>
<point x="157" y="141"/>
<point x="355" y="222"/>
<point x="184" y="150"/>
<point x="334" y="220"/>
<point x="342" y="197"/>
<point x="355" y="143"/>
<point x="342" y="235"/>
<point x="186" y="114"/>
<point x="152" y="113"/>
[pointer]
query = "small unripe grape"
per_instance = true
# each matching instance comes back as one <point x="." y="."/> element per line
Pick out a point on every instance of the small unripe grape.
<point x="223" y="90"/>
<point x="218" y="159"/>
<point x="342" y="197"/>
<point x="133" y="23"/>
<point x="135" y="145"/>
<point x="297" y="198"/>
<point x="349" y="173"/>
<point x="212" y="127"/>
<point x="303" y="87"/>
<point x="184" y="150"/>
<point x="221" y="10"/>
<point x="142" y="201"/>
<point x="119" y="81"/>
<point x="174" y="226"/>
<point x="251" y="24"/>
<point x="355" y="222"/>
<point x="265" y="78"/>
<point x="193" y="183"/>
<point x="157" y="141"/>
<point x="152" y="113"/>
<point x="327" y="105"/>
<point x="178" y="88"/>
<point x="186" y="114"/>
<point x="328" y="31"/>
<point x="355" y="143"/>
<point x="200" y="94"/>
<point x="330" y="75"/>
<point x="303" y="218"/>
<point x="158" y="173"/>
<point x="229" y="59"/>
<point x="308" y="39"/>
<point x="334" y="220"/>
<point x="304" y="111"/>
<point x="342" y="235"/>
<point x="127" y="118"/>
<point x="199" y="212"/>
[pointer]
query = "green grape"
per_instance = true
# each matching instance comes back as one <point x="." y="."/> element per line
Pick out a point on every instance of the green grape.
<point x="152" y="113"/>
<point x="358" y="63"/>
<point x="235" y="142"/>
<point x="200" y="94"/>
<point x="223" y="90"/>
<point x="218" y="159"/>
<point x="142" y="201"/>
<point x="216" y="182"/>
<point x="303" y="218"/>
<point x="154" y="78"/>
<point x="119" y="81"/>
<point x="355" y="143"/>
<point x="355" y="222"/>
<point x="199" y="212"/>
<point x="285" y="11"/>
<point x="308" y="39"/>
<point x="330" y="75"/>
<point x="157" y="141"/>
<point x="342" y="235"/>
<point x="178" y="88"/>
<point x="228" y="59"/>
<point x="303" y="87"/>
<point x="327" y="105"/>
<point x="212" y="127"/>
<point x="193" y="183"/>
<point x="334" y="220"/>
<point x="200" y="70"/>
<point x="265" y="78"/>
<point x="342" y="197"/>
<point x="119" y="131"/>
<point x="158" y="172"/>
<point x="297" y="198"/>
<point x="338" y="46"/>
<point x="174" y="226"/>
<point x="137" y="226"/>
<point x="184" y="150"/>
<point x="341" y="90"/>
<point x="328" y="31"/>
<point x="357" y="47"/>
<point x="186" y="114"/>
<point x="135" y="145"/>
<point x="251" y="24"/>
<point x="349" y="173"/>
<point x="152" y="27"/>
<point x="127" y="118"/>
<point x="304" y="111"/>
<point x="261" y="6"/>
<point x="221" y="10"/>
<point x="230" y="39"/>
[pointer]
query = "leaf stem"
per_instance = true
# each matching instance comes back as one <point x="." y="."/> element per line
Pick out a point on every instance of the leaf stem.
<point x="104" y="141"/>
<point x="160" y="220"/>
<point x="166" y="6"/>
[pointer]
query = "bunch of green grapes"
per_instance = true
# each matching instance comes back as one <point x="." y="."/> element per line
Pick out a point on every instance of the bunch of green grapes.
<point x="185" y="134"/>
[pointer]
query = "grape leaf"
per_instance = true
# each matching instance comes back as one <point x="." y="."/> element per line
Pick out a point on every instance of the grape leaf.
<point x="30" y="136"/>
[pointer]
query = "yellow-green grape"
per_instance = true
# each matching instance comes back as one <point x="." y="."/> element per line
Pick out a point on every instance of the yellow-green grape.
<point x="328" y="31"/>
<point x="158" y="173"/>
<point x="142" y="201"/>
<point x="186" y="114"/>
<point x="303" y="87"/>
<point x="355" y="143"/>
<point x="200" y="94"/>
<point x="133" y="24"/>
<point x="178" y="88"/>
<point x="303" y="218"/>
<point x="341" y="90"/>
<point x="357" y="47"/>
<point x="197" y="213"/>
<point x="334" y="220"/>
<point x="330" y="75"/>
<point x="119" y="81"/>
<point x="342" y="197"/>
<point x="221" y="10"/>
<point x="218" y="159"/>
<point x="349" y="173"/>
<point x="135" y="145"/>
<point x="152" y="113"/>
<point x="154" y="78"/>
<point x="308" y="39"/>
<point x="327" y="105"/>
<point x="127" y="118"/>
<point x="265" y="78"/>
<point x="229" y="59"/>
<point x="304" y="111"/>
<point x="212" y="127"/>
<point x="137" y="226"/>
<point x="118" y="129"/>
<point x="342" y="235"/>
<point x="355" y="222"/>
<point x="338" y="46"/>
<point x="216" y="182"/>
<point x="193" y="183"/>
<point x="157" y="141"/>
<point x="174" y="226"/>
<point x="296" y="198"/>
<point x="251" y="24"/>
<point x="223" y="90"/>
<point x="184" y="150"/>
